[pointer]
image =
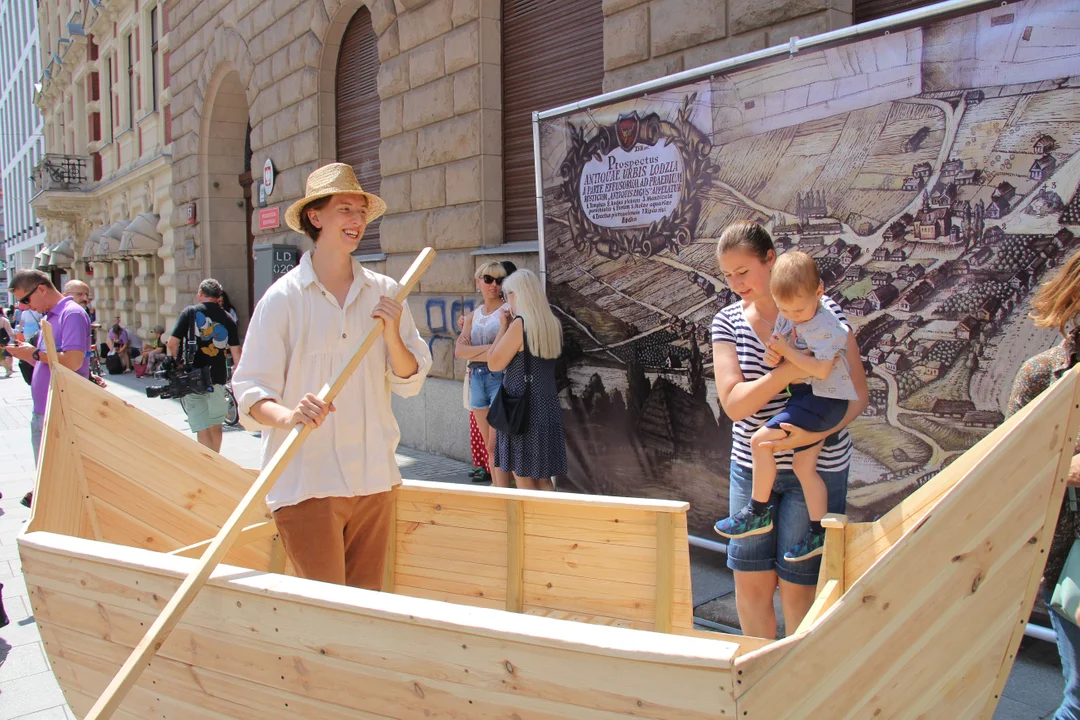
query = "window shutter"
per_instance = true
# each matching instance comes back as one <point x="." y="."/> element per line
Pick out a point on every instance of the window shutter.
<point x="552" y="54"/>
<point x="357" y="104"/>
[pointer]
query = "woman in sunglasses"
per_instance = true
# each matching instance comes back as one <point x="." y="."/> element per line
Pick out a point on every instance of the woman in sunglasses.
<point x="481" y="327"/>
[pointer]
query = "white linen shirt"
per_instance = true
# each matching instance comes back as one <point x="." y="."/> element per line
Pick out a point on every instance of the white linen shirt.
<point x="297" y="340"/>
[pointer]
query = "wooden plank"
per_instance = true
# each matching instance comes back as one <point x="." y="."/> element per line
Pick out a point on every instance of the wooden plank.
<point x="61" y="562"/>
<point x="1068" y="430"/>
<point x="824" y="600"/>
<point x="567" y="529"/>
<point x="123" y="529"/>
<point x="832" y="562"/>
<point x="478" y="513"/>
<point x="643" y="518"/>
<point x="665" y="573"/>
<point x="278" y="557"/>
<point x="478" y="546"/>
<point x="547" y="498"/>
<point x="390" y="566"/>
<point x="322" y="678"/>
<point x="453" y="583"/>
<point x="515" y="555"/>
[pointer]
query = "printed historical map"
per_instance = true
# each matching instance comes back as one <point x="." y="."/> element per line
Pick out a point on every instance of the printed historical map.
<point x="933" y="172"/>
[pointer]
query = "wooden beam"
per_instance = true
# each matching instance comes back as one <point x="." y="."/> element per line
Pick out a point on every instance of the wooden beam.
<point x="665" y="572"/>
<point x="548" y="498"/>
<point x="390" y="566"/>
<point x="157" y="634"/>
<point x="278" y="557"/>
<point x="824" y="600"/>
<point x="832" y="561"/>
<point x="515" y="556"/>
<point x="250" y="534"/>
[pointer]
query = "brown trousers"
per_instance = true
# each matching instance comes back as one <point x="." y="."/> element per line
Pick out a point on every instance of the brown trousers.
<point x="339" y="540"/>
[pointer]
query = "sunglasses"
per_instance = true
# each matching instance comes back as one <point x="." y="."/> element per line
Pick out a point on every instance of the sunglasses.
<point x="489" y="279"/>
<point x="26" y="300"/>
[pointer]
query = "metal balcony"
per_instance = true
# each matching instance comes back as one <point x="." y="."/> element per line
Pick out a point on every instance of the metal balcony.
<point x="60" y="172"/>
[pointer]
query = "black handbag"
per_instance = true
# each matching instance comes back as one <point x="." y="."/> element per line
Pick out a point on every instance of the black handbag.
<point x="510" y="413"/>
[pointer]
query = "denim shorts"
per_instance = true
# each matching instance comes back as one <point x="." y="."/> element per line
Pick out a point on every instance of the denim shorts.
<point x="483" y="386"/>
<point x="791" y="520"/>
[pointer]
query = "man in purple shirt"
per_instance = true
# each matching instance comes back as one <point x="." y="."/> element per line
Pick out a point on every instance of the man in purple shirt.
<point x="71" y="329"/>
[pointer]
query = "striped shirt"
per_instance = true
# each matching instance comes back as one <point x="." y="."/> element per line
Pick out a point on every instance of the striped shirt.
<point x="730" y="326"/>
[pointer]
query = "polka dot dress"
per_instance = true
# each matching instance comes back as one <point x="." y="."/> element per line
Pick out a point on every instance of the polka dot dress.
<point x="541" y="451"/>
<point x="479" y="450"/>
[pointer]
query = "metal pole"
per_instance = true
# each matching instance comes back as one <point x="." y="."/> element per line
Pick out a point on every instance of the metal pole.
<point x="794" y="45"/>
<point x="539" y="197"/>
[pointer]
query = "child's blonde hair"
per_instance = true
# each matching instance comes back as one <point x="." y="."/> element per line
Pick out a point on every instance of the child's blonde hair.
<point x="542" y="328"/>
<point x="794" y="274"/>
<point x="1056" y="303"/>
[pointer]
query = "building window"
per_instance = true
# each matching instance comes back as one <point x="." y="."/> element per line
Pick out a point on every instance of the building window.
<point x="109" y="98"/>
<point x="130" y="84"/>
<point x="154" y="58"/>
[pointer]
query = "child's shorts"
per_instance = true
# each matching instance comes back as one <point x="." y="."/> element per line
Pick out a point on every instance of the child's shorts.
<point x="810" y="412"/>
<point x="483" y="386"/>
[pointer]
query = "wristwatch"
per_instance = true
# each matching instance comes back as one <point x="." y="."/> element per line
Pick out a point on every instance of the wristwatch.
<point x="36" y="356"/>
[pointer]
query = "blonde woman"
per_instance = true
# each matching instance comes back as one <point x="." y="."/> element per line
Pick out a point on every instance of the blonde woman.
<point x="480" y="329"/>
<point x="529" y="327"/>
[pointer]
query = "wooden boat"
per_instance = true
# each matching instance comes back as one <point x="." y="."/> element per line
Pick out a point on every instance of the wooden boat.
<point x="525" y="605"/>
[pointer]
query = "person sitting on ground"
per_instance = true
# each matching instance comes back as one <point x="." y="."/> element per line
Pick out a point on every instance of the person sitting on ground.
<point x="809" y="335"/>
<point x="153" y="352"/>
<point x="119" y="342"/>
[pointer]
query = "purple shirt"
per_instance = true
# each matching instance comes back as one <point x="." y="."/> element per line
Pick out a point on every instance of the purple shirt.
<point x="122" y="339"/>
<point x="71" y="329"/>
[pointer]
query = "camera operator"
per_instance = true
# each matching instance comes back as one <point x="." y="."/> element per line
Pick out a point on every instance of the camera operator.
<point x="214" y="332"/>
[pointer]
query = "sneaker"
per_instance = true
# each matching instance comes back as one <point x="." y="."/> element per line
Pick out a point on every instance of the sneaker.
<point x="745" y="523"/>
<point x="812" y="545"/>
<point x="27" y="499"/>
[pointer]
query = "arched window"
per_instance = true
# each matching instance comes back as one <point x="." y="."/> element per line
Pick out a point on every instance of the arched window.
<point x="357" y="104"/>
<point x="552" y="54"/>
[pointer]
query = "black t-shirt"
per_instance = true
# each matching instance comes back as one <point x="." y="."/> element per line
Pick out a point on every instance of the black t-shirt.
<point x="214" y="332"/>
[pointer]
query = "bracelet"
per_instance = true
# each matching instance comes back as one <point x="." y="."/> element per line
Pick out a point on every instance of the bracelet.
<point x="36" y="355"/>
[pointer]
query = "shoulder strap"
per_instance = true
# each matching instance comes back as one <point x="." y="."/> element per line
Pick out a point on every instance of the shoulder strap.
<point x="528" y="355"/>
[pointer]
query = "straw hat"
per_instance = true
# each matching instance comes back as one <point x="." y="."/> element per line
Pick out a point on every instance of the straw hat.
<point x="333" y="179"/>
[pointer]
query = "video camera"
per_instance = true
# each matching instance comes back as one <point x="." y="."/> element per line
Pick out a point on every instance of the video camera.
<point x="181" y="383"/>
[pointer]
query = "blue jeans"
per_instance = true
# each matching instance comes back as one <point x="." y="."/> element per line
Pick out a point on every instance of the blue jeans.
<point x="1068" y="643"/>
<point x="791" y="521"/>
<point x="483" y="386"/>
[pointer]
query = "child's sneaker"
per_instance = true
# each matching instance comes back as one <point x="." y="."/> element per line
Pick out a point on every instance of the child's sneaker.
<point x="812" y="545"/>
<point x="745" y="523"/>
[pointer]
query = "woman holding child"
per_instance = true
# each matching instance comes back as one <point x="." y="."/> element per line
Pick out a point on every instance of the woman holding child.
<point x="753" y="372"/>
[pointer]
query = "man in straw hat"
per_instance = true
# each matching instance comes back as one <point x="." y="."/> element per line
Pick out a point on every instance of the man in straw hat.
<point x="332" y="504"/>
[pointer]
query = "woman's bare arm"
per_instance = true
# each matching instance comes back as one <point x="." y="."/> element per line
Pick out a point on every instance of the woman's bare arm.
<point x="739" y="397"/>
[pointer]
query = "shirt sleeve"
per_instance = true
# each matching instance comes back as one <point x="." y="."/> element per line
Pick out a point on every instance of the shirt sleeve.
<point x="722" y="331"/>
<point x="181" y="330"/>
<point x="407" y="387"/>
<point x="234" y="333"/>
<point x="261" y="372"/>
<point x="74" y="333"/>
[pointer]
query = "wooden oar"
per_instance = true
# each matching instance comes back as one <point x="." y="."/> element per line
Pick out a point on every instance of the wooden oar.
<point x="155" y="637"/>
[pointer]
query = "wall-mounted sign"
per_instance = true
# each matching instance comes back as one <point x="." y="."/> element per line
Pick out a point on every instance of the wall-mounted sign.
<point x="189" y="214"/>
<point x="268" y="176"/>
<point x="270" y="218"/>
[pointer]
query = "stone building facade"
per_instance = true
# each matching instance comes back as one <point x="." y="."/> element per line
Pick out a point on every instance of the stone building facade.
<point x="102" y="189"/>
<point x="247" y="81"/>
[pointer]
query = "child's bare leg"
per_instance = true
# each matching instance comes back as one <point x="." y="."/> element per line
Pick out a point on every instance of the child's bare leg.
<point x="764" y="462"/>
<point x="805" y="466"/>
